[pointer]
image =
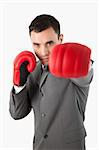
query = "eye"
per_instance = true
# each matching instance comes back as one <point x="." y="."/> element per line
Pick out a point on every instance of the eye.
<point x="36" y="45"/>
<point x="50" y="43"/>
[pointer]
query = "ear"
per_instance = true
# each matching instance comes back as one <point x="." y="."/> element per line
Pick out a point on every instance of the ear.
<point x="61" y="38"/>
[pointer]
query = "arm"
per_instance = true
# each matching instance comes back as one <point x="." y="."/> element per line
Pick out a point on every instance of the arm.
<point x="20" y="104"/>
<point x="82" y="89"/>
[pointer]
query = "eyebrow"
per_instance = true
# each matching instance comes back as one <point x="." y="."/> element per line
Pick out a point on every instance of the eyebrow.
<point x="51" y="41"/>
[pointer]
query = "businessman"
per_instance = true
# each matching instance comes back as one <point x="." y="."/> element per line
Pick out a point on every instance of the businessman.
<point x="56" y="87"/>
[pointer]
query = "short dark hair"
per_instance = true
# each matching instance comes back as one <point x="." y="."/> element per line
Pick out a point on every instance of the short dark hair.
<point x="43" y="22"/>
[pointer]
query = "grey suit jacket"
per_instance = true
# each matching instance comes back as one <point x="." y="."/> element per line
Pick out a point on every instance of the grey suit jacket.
<point x="59" y="108"/>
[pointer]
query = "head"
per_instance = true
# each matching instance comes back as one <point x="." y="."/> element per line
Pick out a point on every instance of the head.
<point x="44" y="32"/>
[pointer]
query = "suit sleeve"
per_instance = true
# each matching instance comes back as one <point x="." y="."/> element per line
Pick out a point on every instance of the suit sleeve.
<point x="20" y="103"/>
<point x="83" y="81"/>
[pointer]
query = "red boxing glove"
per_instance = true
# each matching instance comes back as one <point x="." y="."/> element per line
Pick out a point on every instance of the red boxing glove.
<point x="69" y="60"/>
<point x="24" y="63"/>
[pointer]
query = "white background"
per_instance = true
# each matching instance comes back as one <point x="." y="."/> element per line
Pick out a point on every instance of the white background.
<point x="79" y="22"/>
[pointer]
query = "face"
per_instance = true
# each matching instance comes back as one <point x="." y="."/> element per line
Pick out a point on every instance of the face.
<point x="43" y="43"/>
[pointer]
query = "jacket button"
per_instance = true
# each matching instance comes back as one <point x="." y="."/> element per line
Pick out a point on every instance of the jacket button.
<point x="43" y="114"/>
<point x="45" y="136"/>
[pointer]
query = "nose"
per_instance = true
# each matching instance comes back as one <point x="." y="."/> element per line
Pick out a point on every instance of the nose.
<point x="44" y="51"/>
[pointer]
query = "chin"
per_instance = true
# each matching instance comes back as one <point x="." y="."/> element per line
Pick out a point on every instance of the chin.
<point x="44" y="63"/>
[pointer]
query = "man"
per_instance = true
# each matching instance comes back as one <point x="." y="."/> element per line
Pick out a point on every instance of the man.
<point x="56" y="87"/>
